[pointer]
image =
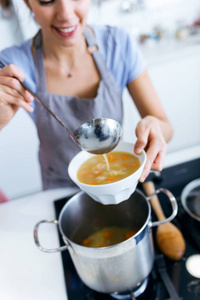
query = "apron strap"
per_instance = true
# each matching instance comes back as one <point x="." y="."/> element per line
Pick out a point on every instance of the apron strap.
<point x="98" y="58"/>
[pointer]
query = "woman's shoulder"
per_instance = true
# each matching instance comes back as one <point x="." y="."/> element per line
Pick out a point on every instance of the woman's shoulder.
<point x="110" y="34"/>
<point x="114" y="42"/>
<point x="17" y="54"/>
<point x="21" y="56"/>
<point x="120" y="51"/>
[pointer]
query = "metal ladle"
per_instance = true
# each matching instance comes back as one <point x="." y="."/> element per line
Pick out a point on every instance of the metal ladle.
<point x="97" y="136"/>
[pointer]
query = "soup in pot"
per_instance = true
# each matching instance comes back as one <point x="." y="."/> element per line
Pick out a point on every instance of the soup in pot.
<point x="108" y="168"/>
<point x="108" y="236"/>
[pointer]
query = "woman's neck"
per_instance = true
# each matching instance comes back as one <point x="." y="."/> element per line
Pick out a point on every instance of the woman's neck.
<point x="64" y="54"/>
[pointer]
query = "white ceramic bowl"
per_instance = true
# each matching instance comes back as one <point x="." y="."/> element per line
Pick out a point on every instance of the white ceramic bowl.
<point x="111" y="193"/>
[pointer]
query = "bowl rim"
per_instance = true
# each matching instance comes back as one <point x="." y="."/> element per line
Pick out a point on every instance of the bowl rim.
<point x="143" y="154"/>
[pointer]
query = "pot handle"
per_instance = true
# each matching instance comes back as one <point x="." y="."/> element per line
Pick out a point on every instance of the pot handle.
<point x="36" y="228"/>
<point x="173" y="204"/>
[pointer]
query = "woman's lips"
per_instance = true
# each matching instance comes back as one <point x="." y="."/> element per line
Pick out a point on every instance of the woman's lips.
<point x="66" y="31"/>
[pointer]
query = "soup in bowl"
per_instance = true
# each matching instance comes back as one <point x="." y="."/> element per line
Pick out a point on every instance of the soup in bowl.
<point x="109" y="178"/>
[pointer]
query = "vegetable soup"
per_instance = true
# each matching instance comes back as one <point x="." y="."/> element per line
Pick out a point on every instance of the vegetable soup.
<point x="108" y="236"/>
<point x="108" y="168"/>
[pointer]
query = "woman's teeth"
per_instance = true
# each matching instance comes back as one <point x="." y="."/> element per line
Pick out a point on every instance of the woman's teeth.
<point x="66" y="30"/>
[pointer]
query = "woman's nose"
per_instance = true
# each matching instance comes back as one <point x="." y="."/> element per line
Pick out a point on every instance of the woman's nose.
<point x="64" y="10"/>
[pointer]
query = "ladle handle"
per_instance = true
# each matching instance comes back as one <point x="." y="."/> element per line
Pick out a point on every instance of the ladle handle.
<point x="42" y="103"/>
<point x="36" y="239"/>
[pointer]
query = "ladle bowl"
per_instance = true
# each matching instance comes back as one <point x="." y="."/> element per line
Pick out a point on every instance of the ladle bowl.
<point x="98" y="136"/>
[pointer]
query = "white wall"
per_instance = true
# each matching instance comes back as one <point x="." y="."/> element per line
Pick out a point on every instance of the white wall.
<point x="174" y="67"/>
<point x="176" y="78"/>
<point x="25" y="18"/>
<point x="10" y="30"/>
<point x="19" y="167"/>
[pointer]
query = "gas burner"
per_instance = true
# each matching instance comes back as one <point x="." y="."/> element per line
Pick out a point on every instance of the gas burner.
<point x="134" y="293"/>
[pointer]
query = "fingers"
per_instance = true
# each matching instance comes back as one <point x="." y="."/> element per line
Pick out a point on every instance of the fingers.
<point x="155" y="157"/>
<point x="12" y="71"/>
<point x="150" y="139"/>
<point x="15" y="100"/>
<point x="158" y="162"/>
<point x="13" y="87"/>
<point x="142" y="132"/>
<point x="11" y="90"/>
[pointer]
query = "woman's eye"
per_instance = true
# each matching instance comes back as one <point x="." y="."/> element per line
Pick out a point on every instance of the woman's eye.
<point x="46" y="2"/>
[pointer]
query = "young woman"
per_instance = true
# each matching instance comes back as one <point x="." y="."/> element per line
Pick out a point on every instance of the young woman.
<point x="80" y="72"/>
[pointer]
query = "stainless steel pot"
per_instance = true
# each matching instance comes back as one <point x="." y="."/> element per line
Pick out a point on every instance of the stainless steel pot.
<point x="190" y="199"/>
<point x="117" y="268"/>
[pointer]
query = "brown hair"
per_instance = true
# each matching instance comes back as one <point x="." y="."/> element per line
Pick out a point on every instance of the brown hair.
<point x="5" y="3"/>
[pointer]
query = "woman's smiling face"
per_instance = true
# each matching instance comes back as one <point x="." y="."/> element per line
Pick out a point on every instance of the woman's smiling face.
<point x="61" y="21"/>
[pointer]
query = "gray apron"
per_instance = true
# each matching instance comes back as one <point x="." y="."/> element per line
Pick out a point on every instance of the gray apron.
<point x="56" y="146"/>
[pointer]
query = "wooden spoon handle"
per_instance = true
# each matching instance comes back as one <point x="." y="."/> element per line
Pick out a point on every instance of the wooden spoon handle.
<point x="155" y="203"/>
<point x="169" y="238"/>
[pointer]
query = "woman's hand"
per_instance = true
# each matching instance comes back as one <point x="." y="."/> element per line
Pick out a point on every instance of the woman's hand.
<point x="149" y="132"/>
<point x="12" y="94"/>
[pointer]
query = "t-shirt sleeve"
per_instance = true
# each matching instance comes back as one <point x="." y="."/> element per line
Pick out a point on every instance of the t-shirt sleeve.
<point x="21" y="57"/>
<point x="130" y="60"/>
<point x="135" y="62"/>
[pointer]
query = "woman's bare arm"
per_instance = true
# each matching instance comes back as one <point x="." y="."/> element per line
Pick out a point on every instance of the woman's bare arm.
<point x="154" y="130"/>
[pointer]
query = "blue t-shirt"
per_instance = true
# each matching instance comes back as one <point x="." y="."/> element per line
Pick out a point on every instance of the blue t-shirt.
<point x="119" y="51"/>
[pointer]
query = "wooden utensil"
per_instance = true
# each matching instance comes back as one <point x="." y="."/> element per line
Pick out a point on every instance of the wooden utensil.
<point x="169" y="238"/>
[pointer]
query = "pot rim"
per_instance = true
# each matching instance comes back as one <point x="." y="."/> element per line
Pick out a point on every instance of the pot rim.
<point x="187" y="189"/>
<point x="134" y="237"/>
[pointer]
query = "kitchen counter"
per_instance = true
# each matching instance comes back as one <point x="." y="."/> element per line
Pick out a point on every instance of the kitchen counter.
<point x="25" y="271"/>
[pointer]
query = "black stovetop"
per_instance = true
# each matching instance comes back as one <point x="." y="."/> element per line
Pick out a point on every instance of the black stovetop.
<point x="169" y="280"/>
